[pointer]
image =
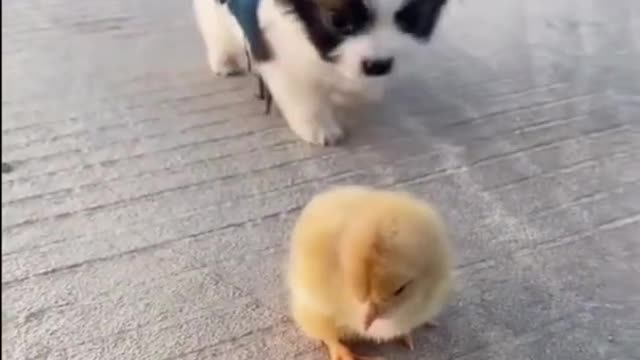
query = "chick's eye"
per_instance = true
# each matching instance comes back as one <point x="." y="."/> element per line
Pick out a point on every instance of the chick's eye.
<point x="400" y="290"/>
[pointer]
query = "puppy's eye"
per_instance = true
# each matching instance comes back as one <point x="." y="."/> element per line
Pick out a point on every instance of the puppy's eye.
<point x="400" y="290"/>
<point x="341" y="24"/>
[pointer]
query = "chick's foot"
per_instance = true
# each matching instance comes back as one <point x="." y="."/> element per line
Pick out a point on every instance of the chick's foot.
<point x="407" y="341"/>
<point x="338" y="351"/>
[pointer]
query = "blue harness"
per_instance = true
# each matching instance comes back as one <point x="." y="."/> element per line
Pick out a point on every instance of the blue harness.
<point x="246" y="14"/>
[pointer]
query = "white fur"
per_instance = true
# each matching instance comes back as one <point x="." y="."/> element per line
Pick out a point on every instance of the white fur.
<point x="306" y="89"/>
<point x="224" y="46"/>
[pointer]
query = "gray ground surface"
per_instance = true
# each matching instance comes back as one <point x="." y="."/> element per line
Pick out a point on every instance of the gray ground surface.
<point x="147" y="210"/>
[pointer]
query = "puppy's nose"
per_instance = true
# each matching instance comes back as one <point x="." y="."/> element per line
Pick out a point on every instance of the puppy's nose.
<point x="377" y="67"/>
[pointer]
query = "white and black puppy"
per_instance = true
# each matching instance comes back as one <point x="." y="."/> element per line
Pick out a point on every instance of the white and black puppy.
<point x="315" y="55"/>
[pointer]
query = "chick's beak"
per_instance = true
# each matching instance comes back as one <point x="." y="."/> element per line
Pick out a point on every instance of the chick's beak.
<point x="371" y="314"/>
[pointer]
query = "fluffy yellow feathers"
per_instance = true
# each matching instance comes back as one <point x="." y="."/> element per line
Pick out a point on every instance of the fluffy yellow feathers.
<point x="369" y="264"/>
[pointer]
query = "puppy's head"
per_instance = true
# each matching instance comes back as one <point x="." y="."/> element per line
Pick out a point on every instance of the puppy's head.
<point x="363" y="37"/>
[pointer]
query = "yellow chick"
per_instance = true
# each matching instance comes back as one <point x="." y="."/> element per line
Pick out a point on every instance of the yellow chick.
<point x="367" y="264"/>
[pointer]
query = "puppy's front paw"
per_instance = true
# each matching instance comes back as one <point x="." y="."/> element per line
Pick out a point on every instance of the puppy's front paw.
<point x="325" y="133"/>
<point x="227" y="66"/>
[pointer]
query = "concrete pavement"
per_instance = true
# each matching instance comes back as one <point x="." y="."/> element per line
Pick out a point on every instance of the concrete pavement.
<point x="146" y="204"/>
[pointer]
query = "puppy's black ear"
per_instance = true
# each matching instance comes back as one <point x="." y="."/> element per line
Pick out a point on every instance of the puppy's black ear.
<point x="419" y="17"/>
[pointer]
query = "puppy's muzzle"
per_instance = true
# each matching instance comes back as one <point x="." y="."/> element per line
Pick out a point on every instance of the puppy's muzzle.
<point x="377" y="67"/>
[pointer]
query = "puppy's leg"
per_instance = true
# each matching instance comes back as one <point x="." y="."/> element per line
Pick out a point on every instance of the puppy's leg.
<point x="224" y="48"/>
<point x="304" y="105"/>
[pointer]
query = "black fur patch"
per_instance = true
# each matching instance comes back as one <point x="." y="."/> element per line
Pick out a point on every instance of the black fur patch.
<point x="419" y="17"/>
<point x="262" y="51"/>
<point x="327" y="28"/>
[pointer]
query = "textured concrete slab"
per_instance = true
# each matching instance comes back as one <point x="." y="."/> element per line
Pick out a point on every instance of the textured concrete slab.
<point x="146" y="204"/>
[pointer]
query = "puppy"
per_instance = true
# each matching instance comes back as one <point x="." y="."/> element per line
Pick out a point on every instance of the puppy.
<point x="315" y="55"/>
